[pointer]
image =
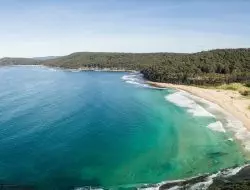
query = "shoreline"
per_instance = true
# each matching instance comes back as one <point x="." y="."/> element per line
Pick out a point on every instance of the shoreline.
<point x="81" y="69"/>
<point x="230" y="101"/>
<point x="193" y="181"/>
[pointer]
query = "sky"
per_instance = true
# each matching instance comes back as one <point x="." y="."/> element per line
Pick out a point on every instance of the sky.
<point x="37" y="28"/>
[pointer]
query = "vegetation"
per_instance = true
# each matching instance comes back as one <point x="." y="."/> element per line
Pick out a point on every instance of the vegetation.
<point x="213" y="67"/>
<point x="243" y="89"/>
<point x="205" y="68"/>
<point x="247" y="84"/>
<point x="241" y="185"/>
<point x="232" y="86"/>
<point x="18" y="61"/>
<point x="245" y="92"/>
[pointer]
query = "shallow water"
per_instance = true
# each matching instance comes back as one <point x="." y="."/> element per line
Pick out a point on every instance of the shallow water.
<point x="61" y="129"/>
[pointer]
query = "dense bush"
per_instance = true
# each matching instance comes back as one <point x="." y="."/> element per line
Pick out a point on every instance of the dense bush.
<point x="245" y="92"/>
<point x="204" y="68"/>
<point x="247" y="84"/>
<point x="210" y="67"/>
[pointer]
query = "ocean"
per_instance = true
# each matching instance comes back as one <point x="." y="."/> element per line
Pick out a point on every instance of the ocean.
<point x="64" y="129"/>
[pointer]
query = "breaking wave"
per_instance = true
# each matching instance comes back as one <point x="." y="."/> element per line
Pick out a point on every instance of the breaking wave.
<point x="201" y="182"/>
<point x="216" y="126"/>
<point x="229" y="122"/>
<point x="239" y="130"/>
<point x="225" y="122"/>
<point x="137" y="79"/>
<point x="180" y="99"/>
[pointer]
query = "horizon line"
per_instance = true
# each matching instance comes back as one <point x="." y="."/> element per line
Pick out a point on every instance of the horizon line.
<point x="113" y="52"/>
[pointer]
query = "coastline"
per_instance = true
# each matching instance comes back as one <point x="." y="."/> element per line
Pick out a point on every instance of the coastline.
<point x="81" y="69"/>
<point x="204" y="180"/>
<point x="230" y="101"/>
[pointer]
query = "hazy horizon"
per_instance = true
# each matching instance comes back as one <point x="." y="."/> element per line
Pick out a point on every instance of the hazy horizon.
<point x="55" y="56"/>
<point x="58" y="28"/>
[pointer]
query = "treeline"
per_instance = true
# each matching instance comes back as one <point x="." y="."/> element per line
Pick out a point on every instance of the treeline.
<point x="211" y="67"/>
<point x="129" y="61"/>
<point x="208" y="67"/>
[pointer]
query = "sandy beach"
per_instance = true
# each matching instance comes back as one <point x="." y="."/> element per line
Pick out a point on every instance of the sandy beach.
<point x="231" y="101"/>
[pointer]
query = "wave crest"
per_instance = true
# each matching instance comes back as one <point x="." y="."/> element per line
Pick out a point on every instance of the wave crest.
<point x="180" y="99"/>
<point x="216" y="126"/>
<point x="137" y="79"/>
<point x="201" y="182"/>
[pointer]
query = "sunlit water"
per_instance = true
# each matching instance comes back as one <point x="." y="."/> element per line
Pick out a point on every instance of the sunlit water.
<point x="62" y="130"/>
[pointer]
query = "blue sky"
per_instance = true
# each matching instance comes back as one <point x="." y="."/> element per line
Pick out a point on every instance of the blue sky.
<point x="30" y="28"/>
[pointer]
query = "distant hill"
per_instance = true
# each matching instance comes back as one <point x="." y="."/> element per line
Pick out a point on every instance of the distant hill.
<point x="25" y="61"/>
<point x="45" y="58"/>
<point x="101" y="60"/>
<point x="18" y="61"/>
<point x="207" y="67"/>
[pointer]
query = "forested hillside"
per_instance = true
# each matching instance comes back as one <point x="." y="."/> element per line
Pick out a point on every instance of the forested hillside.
<point x="18" y="61"/>
<point x="211" y="67"/>
<point x="208" y="67"/>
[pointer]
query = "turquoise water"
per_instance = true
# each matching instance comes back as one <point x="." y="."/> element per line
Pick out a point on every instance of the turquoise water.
<point x="61" y="130"/>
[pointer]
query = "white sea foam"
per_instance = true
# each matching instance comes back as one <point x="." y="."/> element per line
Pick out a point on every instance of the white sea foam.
<point x="180" y="99"/>
<point x="217" y="126"/>
<point x="202" y="185"/>
<point x="150" y="188"/>
<point x="137" y="79"/>
<point x="133" y="82"/>
<point x="132" y="79"/>
<point x="232" y="172"/>
<point x="240" y="131"/>
<point x="175" y="188"/>
<point x="205" y="184"/>
<point x="230" y="139"/>
<point x="87" y="188"/>
<point x="230" y="123"/>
